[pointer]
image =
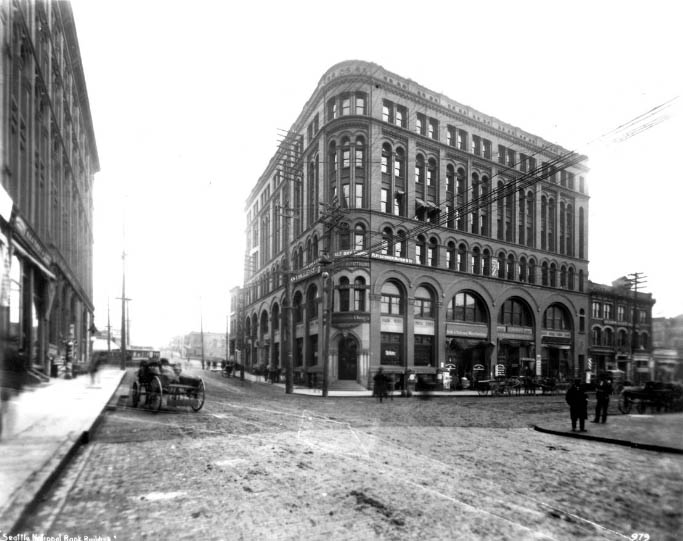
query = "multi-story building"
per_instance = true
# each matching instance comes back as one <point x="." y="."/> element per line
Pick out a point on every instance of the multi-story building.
<point x="49" y="159"/>
<point x="621" y="330"/>
<point x="668" y="348"/>
<point x="442" y="237"/>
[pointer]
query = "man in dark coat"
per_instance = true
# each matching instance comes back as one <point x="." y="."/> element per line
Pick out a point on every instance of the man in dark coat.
<point x="578" y="405"/>
<point x="602" y="394"/>
<point x="380" y="384"/>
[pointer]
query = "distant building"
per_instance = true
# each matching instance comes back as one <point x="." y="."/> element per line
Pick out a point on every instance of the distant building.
<point x="208" y="346"/>
<point x="621" y="331"/>
<point x="448" y="239"/>
<point x="49" y="159"/>
<point x="668" y="348"/>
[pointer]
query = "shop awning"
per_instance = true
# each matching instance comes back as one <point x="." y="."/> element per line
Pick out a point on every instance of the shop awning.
<point x="422" y="369"/>
<point x="33" y="260"/>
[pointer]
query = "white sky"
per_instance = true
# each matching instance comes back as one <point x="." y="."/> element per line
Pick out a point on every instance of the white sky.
<point x="187" y="98"/>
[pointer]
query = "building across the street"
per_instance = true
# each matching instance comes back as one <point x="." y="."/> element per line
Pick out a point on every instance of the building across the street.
<point x="621" y="330"/>
<point x="668" y="348"/>
<point x="398" y="228"/>
<point x="49" y="159"/>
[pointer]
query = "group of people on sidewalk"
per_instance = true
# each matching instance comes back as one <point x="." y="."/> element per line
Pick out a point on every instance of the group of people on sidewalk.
<point x="577" y="398"/>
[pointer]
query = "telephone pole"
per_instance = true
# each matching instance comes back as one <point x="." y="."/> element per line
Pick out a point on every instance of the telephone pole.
<point x="635" y="279"/>
<point x="124" y="300"/>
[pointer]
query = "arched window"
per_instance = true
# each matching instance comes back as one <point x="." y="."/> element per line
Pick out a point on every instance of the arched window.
<point x="264" y="323"/>
<point x="557" y="318"/>
<point x="462" y="258"/>
<point x="476" y="260"/>
<point x="424" y="303"/>
<point x="431" y="172"/>
<point x="385" y="159"/>
<point x="346" y="156"/>
<point x="570" y="278"/>
<point x="399" y="164"/>
<point x="465" y="306"/>
<point x="501" y="264"/>
<point x="312" y="302"/>
<point x="359" y="294"/>
<point x="553" y="275"/>
<point x="359" y="237"/>
<point x="359" y="155"/>
<point x="609" y="337"/>
<point x="460" y="193"/>
<point x="515" y="312"/>
<point x="420" y="250"/>
<point x="276" y="317"/>
<point x="392" y="299"/>
<point x="450" y="256"/>
<point x="596" y="336"/>
<point x="400" y="245"/>
<point x="487" y="262"/>
<point x="522" y="269"/>
<point x="419" y="169"/>
<point x="510" y="269"/>
<point x="563" y="277"/>
<point x="529" y="219"/>
<point x="544" y="273"/>
<point x="298" y="307"/>
<point x="433" y="253"/>
<point x="476" y="192"/>
<point x="344" y="294"/>
<point x="387" y="241"/>
<point x="532" y="270"/>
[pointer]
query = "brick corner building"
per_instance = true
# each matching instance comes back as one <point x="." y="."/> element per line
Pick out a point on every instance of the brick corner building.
<point x="396" y="227"/>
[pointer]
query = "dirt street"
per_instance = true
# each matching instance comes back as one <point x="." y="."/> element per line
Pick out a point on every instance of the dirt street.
<point x="256" y="463"/>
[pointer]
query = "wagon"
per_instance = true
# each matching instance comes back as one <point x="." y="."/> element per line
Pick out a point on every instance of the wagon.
<point x="655" y="395"/>
<point x="156" y="381"/>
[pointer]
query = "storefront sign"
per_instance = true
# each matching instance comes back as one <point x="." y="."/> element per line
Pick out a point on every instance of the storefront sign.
<point x="467" y="331"/>
<point x="391" y="324"/>
<point x="32" y="240"/>
<point x="347" y="320"/>
<point x="391" y="258"/>
<point x="557" y="334"/>
<point x="424" y="326"/>
<point x="315" y="269"/>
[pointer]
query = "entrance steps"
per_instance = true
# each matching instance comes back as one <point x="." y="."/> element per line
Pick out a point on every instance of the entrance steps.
<point x="346" y="385"/>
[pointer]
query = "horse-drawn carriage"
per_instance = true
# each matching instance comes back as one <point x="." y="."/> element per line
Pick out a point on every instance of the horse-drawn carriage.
<point x="156" y="381"/>
<point x="656" y="395"/>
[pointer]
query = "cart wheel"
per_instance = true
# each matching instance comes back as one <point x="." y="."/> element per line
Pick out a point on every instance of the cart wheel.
<point x="156" y="392"/>
<point x="197" y="396"/>
<point x="624" y="404"/>
<point x="641" y="406"/>
<point x="135" y="394"/>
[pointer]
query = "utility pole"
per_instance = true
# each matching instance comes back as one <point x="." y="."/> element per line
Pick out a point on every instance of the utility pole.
<point x="124" y="299"/>
<point x="635" y="279"/>
<point x="201" y="330"/>
<point x="108" y="334"/>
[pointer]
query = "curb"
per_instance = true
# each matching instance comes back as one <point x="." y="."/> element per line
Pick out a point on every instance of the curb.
<point x="48" y="473"/>
<point x="625" y="443"/>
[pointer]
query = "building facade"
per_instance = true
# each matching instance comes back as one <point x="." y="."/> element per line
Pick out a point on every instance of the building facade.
<point x="49" y="159"/>
<point x="668" y="348"/>
<point x="621" y="331"/>
<point x="396" y="227"/>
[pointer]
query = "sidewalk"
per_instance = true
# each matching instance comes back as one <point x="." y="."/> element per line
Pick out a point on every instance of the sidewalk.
<point x="44" y="425"/>
<point x="661" y="432"/>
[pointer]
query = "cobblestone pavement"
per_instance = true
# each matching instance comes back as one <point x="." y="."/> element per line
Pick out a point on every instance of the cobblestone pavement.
<point x="258" y="464"/>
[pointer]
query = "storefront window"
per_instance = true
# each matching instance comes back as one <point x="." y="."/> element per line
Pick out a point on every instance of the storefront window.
<point x="392" y="346"/>
<point x="424" y="350"/>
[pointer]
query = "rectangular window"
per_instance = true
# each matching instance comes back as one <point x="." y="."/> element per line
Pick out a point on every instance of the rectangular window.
<point x="397" y="204"/>
<point x="621" y="313"/>
<point x="487" y="149"/>
<point x="359" y="196"/>
<point x="345" y="195"/>
<point x="607" y="310"/>
<point x="522" y="162"/>
<point x="384" y="198"/>
<point x="476" y="145"/>
<point x="510" y="161"/>
<point x="360" y="104"/>
<point x="424" y="349"/>
<point x="346" y="106"/>
<point x="401" y="116"/>
<point x="596" y="310"/>
<point x="433" y="129"/>
<point x="387" y="111"/>
<point x="450" y="136"/>
<point x="462" y="140"/>
<point x="420" y="124"/>
<point x="391" y="345"/>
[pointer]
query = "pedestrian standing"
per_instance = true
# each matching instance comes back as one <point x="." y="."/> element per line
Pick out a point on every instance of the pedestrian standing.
<point x="578" y="405"/>
<point x="94" y="369"/>
<point x="602" y="394"/>
<point x="380" y="384"/>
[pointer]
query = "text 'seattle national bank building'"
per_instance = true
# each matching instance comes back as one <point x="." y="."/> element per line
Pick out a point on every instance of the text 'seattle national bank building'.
<point x="433" y="233"/>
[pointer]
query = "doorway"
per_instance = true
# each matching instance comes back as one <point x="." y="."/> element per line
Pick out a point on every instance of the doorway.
<point x="348" y="358"/>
